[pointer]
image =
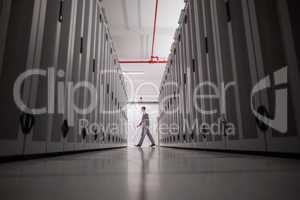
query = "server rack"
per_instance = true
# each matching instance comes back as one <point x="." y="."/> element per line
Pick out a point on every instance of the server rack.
<point x="70" y="41"/>
<point x="63" y="42"/>
<point x="250" y="137"/>
<point x="251" y="48"/>
<point x="18" y="46"/>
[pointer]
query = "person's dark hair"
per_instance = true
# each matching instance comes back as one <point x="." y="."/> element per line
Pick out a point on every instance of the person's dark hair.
<point x="143" y="108"/>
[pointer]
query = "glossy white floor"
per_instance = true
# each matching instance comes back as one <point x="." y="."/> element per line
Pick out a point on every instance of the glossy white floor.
<point x="151" y="174"/>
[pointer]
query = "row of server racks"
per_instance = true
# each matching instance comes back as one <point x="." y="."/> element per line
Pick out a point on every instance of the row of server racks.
<point x="232" y="78"/>
<point x="62" y="88"/>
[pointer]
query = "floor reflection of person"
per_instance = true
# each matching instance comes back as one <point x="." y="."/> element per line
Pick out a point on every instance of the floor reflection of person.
<point x="145" y="168"/>
<point x="145" y="124"/>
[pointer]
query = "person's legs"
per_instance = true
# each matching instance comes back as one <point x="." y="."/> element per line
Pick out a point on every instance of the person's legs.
<point x="150" y="136"/>
<point x="142" y="137"/>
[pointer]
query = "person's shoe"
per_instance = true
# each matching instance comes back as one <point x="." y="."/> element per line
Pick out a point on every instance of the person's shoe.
<point x="152" y="145"/>
<point x="138" y="145"/>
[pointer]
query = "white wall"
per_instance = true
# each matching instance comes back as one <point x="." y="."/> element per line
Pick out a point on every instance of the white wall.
<point x="134" y="117"/>
<point x="146" y="84"/>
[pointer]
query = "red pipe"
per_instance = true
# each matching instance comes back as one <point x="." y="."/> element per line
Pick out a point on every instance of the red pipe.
<point x="143" y="62"/>
<point x="154" y="29"/>
<point x="153" y="59"/>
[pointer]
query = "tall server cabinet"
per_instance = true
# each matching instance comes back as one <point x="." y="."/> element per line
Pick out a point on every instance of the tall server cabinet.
<point x="245" y="55"/>
<point x="57" y="58"/>
<point x="18" y="44"/>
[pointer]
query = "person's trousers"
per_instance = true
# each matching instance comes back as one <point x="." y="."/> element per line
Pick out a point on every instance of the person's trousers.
<point x="145" y="132"/>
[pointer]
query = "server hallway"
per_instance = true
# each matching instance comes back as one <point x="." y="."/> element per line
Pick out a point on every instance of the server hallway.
<point x="149" y="99"/>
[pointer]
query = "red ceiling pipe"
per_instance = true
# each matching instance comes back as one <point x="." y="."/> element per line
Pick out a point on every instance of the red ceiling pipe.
<point x="143" y="62"/>
<point x="154" y="59"/>
<point x="154" y="29"/>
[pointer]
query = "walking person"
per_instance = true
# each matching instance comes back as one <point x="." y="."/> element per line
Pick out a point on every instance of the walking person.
<point x="145" y="123"/>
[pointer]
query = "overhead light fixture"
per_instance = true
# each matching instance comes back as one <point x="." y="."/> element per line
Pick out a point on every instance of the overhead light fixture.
<point x="133" y="73"/>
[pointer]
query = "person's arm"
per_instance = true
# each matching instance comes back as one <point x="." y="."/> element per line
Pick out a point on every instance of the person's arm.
<point x="140" y="124"/>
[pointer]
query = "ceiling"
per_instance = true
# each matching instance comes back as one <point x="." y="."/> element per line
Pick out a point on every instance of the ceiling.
<point x="131" y="23"/>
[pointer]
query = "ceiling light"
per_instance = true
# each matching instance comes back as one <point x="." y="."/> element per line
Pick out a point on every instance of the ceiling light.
<point x="134" y="73"/>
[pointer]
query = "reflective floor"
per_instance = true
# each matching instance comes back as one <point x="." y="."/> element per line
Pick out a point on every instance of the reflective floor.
<point x="151" y="174"/>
